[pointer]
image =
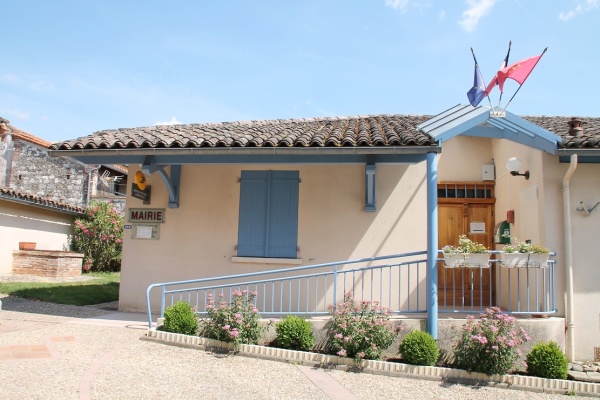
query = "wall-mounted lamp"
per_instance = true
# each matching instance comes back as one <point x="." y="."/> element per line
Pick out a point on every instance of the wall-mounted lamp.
<point x="514" y="165"/>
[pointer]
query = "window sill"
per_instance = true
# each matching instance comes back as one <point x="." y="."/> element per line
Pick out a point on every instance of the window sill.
<point x="261" y="260"/>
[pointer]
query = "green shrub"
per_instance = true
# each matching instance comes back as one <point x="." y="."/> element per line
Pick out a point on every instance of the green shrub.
<point x="180" y="318"/>
<point x="360" y="330"/>
<point x="294" y="333"/>
<point x="547" y="360"/>
<point x="419" y="348"/>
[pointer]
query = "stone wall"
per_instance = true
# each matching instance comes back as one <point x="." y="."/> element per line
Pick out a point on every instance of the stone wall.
<point x="35" y="172"/>
<point x="47" y="263"/>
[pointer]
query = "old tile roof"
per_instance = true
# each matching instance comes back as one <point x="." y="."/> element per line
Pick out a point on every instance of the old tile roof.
<point x="377" y="130"/>
<point x="26" y="198"/>
<point x="19" y="134"/>
<point x="363" y="131"/>
<point x="590" y="139"/>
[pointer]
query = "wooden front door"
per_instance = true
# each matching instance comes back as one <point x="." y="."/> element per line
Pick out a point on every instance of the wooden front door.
<point x="464" y="208"/>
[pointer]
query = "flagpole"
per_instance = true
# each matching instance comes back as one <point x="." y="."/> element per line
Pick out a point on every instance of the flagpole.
<point x="484" y="84"/>
<point x="505" y="65"/>
<point x="519" y="88"/>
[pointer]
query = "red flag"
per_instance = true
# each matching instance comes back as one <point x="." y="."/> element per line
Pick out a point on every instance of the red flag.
<point x="518" y="71"/>
<point x="494" y="81"/>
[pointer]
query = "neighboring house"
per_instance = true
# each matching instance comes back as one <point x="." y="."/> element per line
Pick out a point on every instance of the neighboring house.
<point x="40" y="196"/>
<point x="230" y="198"/>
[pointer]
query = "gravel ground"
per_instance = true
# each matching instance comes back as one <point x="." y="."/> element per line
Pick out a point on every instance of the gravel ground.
<point x="111" y="362"/>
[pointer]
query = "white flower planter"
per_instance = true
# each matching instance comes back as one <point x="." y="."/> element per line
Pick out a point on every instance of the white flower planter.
<point x="514" y="260"/>
<point x="537" y="260"/>
<point x="454" y="260"/>
<point x="473" y="260"/>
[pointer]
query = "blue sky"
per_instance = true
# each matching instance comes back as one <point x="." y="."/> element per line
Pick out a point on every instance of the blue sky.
<point x="73" y="67"/>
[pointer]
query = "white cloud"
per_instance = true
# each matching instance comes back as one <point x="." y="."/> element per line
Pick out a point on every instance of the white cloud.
<point x="10" y="78"/>
<point x="173" y="121"/>
<point x="586" y="6"/>
<point x="476" y="10"/>
<point x="441" y="15"/>
<point x="397" y="4"/>
<point x="11" y="112"/>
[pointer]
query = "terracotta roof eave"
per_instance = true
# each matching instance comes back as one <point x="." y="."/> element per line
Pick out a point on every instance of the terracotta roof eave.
<point x="40" y="203"/>
<point x="317" y="150"/>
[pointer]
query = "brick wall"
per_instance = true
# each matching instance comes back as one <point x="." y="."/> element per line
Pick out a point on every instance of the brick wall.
<point x="47" y="263"/>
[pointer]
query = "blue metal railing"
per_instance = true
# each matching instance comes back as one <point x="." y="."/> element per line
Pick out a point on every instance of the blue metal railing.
<point x="397" y="282"/>
<point x="309" y="290"/>
<point x="519" y="290"/>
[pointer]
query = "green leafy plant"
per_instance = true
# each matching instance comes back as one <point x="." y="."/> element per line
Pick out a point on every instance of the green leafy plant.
<point x="237" y="321"/>
<point x="547" y="360"/>
<point x="490" y="344"/>
<point x="360" y="330"/>
<point x="99" y="236"/>
<point x="180" y="318"/>
<point x="539" y="249"/>
<point x="419" y="348"/>
<point x="467" y="245"/>
<point x="525" y="247"/>
<point x="294" y="333"/>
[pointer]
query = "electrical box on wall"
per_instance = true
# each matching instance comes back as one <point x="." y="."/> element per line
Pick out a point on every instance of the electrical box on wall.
<point x="487" y="172"/>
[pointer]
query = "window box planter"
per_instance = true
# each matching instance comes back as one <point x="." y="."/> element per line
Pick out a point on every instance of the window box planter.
<point x="514" y="260"/>
<point x="538" y="260"/>
<point x="454" y="260"/>
<point x="477" y="260"/>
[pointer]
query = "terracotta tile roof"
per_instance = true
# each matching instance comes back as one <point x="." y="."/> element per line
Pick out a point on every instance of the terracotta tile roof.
<point x="560" y="126"/>
<point x="26" y="198"/>
<point x="363" y="131"/>
<point x="377" y="130"/>
<point x="19" y="134"/>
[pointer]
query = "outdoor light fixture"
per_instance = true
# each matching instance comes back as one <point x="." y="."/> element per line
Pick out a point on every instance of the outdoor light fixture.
<point x="514" y="165"/>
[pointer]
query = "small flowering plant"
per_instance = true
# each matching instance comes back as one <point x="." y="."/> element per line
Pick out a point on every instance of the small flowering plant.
<point x="490" y="344"/>
<point x="360" y="330"/>
<point x="237" y="321"/>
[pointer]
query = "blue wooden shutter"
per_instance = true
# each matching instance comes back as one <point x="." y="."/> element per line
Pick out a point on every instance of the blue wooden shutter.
<point x="283" y="215"/>
<point x="252" y="230"/>
<point x="268" y="224"/>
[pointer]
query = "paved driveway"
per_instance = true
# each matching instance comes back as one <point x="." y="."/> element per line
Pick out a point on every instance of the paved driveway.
<point x="50" y="351"/>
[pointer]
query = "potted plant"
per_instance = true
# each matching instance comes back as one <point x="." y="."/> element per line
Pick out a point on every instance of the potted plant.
<point x="468" y="254"/>
<point x="453" y="257"/>
<point x="476" y="254"/>
<point x="538" y="256"/>
<point x="515" y="255"/>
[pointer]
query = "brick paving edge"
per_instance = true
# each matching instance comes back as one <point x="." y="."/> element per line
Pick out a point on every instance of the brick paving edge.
<point x="326" y="361"/>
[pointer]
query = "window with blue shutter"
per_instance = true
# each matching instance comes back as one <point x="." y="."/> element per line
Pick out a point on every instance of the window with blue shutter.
<point x="268" y="224"/>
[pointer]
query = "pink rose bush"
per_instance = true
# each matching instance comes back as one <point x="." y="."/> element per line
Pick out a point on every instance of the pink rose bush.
<point x="236" y="321"/>
<point x="490" y="344"/>
<point x="360" y="330"/>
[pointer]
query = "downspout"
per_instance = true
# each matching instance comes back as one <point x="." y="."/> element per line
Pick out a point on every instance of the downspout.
<point x="569" y="260"/>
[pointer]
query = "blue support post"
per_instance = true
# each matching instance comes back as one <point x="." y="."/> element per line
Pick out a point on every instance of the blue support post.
<point x="432" y="246"/>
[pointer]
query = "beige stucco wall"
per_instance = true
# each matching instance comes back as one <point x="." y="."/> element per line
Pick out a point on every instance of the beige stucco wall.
<point x="585" y="231"/>
<point x="463" y="157"/>
<point x="21" y="223"/>
<point x="198" y="239"/>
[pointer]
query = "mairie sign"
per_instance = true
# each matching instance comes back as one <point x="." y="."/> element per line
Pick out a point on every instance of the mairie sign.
<point x="147" y="215"/>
